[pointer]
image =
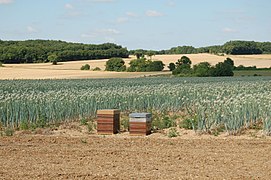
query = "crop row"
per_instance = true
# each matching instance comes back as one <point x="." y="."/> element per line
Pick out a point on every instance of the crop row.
<point x="233" y="103"/>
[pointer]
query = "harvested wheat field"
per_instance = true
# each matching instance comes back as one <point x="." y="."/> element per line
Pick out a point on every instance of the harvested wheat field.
<point x="70" y="154"/>
<point x="71" y="70"/>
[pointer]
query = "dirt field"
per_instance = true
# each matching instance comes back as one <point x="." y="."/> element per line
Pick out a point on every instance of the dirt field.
<point x="75" y="155"/>
<point x="71" y="70"/>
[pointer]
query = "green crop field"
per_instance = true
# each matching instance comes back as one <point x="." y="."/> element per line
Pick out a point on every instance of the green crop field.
<point x="231" y="102"/>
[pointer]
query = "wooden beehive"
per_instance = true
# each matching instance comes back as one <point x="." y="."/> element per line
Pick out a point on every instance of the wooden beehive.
<point x="108" y="121"/>
<point x="140" y="123"/>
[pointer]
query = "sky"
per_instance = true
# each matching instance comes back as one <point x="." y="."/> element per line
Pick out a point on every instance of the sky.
<point x="137" y="24"/>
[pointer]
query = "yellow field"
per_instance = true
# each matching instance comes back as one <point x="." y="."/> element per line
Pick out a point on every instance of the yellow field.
<point x="71" y="70"/>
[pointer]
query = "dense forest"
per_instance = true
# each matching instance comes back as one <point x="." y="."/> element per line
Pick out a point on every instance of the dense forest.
<point x="50" y="50"/>
<point x="231" y="47"/>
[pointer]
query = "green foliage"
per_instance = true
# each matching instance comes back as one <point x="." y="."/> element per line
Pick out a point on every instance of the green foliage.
<point x="184" y="60"/>
<point x="53" y="58"/>
<point x="138" y="65"/>
<point x="124" y="123"/>
<point x="143" y="65"/>
<point x="85" y="67"/>
<point x="202" y="69"/>
<point x="230" y="62"/>
<point x="182" y="50"/>
<point x="173" y="132"/>
<point x="48" y="50"/>
<point x="183" y="69"/>
<point x="9" y="131"/>
<point x="241" y="47"/>
<point x="115" y="64"/>
<point x="83" y="121"/>
<point x="1" y="64"/>
<point x="150" y="53"/>
<point x="155" y="66"/>
<point x="189" y="123"/>
<point x="139" y="53"/>
<point x="91" y="127"/>
<point x="96" y="69"/>
<point x="237" y="103"/>
<point x="41" y="122"/>
<point x="231" y="47"/>
<point x="222" y="69"/>
<point x="24" y="125"/>
<point x="163" y="121"/>
<point x="171" y="66"/>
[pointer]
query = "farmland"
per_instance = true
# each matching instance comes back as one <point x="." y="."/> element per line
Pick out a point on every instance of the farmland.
<point x="234" y="103"/>
<point x="50" y="142"/>
<point x="71" y="70"/>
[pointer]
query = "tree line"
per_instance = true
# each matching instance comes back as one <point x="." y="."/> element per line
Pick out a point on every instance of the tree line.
<point x="140" y="64"/>
<point x="231" y="47"/>
<point x="32" y="51"/>
<point x="183" y="68"/>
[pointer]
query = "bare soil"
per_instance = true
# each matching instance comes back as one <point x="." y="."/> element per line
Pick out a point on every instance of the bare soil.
<point x="71" y="153"/>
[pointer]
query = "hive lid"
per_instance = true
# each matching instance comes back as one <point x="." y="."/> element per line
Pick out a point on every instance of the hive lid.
<point x="108" y="111"/>
<point x="140" y="115"/>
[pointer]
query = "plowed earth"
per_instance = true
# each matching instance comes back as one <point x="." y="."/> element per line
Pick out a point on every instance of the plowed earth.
<point x="57" y="156"/>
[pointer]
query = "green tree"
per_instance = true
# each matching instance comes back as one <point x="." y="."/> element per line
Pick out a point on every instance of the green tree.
<point x="53" y="58"/>
<point x="143" y="65"/>
<point x="171" y="66"/>
<point x="115" y="64"/>
<point x="202" y="69"/>
<point x="155" y="66"/>
<point x="229" y="61"/>
<point x="183" y="69"/>
<point x="183" y="60"/>
<point x="138" y="65"/>
<point x="183" y="66"/>
<point x="150" y="53"/>
<point x="222" y="69"/>
<point x="139" y="53"/>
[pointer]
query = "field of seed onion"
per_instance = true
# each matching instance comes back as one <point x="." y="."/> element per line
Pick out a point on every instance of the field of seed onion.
<point x="234" y="103"/>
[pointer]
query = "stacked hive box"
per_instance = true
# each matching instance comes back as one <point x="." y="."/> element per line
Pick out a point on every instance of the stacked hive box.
<point x="108" y="121"/>
<point x="140" y="123"/>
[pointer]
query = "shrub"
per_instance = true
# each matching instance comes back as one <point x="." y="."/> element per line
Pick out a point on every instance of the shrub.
<point x="173" y="132"/>
<point x="24" y="125"/>
<point x="97" y="69"/>
<point x="83" y="121"/>
<point x="189" y="123"/>
<point x="9" y="132"/>
<point x="155" y="66"/>
<point x="202" y="69"/>
<point x="161" y="121"/>
<point x="171" y="66"/>
<point x="85" y="67"/>
<point x="115" y="64"/>
<point x="144" y="65"/>
<point x="124" y="123"/>
<point x="90" y="127"/>
<point x="54" y="62"/>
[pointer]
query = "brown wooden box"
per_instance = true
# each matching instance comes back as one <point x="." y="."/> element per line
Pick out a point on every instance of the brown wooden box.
<point x="108" y="121"/>
<point x="140" y="124"/>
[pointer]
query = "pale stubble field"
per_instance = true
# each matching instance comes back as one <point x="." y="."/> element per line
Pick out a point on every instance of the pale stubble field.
<point x="71" y="70"/>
